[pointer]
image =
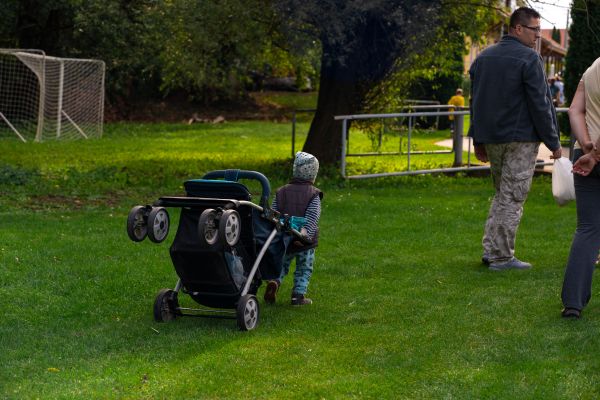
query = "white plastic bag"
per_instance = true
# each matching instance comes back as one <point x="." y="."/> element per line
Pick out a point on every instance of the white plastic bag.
<point x="563" y="188"/>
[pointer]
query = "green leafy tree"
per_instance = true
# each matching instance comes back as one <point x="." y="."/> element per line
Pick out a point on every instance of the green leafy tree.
<point x="444" y="71"/>
<point x="433" y="74"/>
<point x="37" y="24"/>
<point x="120" y="32"/>
<point x="361" y="42"/>
<point x="556" y="35"/>
<point x="584" y="45"/>
<point x="439" y="71"/>
<point x="211" y="49"/>
<point x="8" y="16"/>
<point x="373" y="51"/>
<point x="219" y="48"/>
<point x="128" y="36"/>
<point x="212" y="45"/>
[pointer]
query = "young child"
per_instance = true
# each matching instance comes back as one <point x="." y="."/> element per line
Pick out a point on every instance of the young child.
<point x="299" y="198"/>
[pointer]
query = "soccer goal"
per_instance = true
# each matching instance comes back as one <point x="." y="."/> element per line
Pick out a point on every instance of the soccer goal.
<point x="48" y="98"/>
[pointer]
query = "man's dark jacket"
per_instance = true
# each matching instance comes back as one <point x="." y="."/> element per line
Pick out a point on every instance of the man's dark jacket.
<point x="510" y="97"/>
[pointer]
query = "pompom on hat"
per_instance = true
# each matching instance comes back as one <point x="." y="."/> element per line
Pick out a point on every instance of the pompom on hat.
<point x="306" y="166"/>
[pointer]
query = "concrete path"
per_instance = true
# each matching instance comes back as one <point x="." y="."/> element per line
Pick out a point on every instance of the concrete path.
<point x="543" y="154"/>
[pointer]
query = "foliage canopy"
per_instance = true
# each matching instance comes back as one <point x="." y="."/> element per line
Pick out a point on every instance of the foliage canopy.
<point x="220" y="49"/>
<point x="584" y="47"/>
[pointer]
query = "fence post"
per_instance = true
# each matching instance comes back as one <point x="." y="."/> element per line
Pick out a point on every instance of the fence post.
<point x="344" y="138"/>
<point x="293" y="134"/>
<point x="408" y="150"/>
<point x="457" y="140"/>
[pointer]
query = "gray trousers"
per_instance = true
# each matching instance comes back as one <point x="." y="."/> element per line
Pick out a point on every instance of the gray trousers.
<point x="577" y="284"/>
<point x="512" y="166"/>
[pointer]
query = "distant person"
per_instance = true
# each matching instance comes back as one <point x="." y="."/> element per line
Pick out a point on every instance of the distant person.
<point x="560" y="86"/>
<point x="511" y="112"/>
<point x="299" y="198"/>
<point x="457" y="100"/>
<point x="553" y="91"/>
<point x="584" y="115"/>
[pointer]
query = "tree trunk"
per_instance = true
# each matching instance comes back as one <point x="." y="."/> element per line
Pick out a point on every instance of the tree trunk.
<point x="346" y="78"/>
<point x="338" y="95"/>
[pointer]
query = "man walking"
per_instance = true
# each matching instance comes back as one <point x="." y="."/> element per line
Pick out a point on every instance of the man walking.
<point x="511" y="113"/>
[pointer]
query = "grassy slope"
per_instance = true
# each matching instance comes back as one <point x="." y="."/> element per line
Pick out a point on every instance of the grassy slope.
<point x="402" y="306"/>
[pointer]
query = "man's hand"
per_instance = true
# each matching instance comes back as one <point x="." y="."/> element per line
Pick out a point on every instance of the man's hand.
<point x="585" y="164"/>
<point x="480" y="153"/>
<point x="556" y="154"/>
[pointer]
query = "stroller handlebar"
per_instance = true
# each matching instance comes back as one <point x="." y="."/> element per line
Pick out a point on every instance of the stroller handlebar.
<point x="236" y="174"/>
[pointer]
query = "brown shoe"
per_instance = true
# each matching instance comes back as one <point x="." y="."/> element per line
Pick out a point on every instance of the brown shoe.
<point x="271" y="292"/>
<point x="300" y="300"/>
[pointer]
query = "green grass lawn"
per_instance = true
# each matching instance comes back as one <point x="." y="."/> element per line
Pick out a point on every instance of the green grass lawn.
<point x="287" y="100"/>
<point x="402" y="306"/>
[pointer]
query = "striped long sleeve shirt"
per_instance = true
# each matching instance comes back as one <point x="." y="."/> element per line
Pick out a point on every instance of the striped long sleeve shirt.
<point x="312" y="215"/>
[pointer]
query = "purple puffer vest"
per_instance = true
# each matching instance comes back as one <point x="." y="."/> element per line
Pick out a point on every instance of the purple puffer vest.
<point x="293" y="200"/>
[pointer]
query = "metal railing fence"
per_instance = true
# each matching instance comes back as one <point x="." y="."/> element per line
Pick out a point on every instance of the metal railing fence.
<point x="410" y="105"/>
<point x="457" y="143"/>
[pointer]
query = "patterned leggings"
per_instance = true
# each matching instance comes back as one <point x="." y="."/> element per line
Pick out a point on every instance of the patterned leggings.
<point x="304" y="268"/>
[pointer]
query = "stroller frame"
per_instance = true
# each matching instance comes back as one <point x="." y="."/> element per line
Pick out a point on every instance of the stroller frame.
<point x="153" y="222"/>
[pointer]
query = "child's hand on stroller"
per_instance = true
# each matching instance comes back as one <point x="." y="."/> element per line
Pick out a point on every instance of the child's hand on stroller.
<point x="304" y="238"/>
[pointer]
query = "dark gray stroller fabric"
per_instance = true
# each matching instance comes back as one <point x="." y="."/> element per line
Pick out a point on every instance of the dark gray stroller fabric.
<point x="272" y="263"/>
<point x="212" y="278"/>
<point x="236" y="268"/>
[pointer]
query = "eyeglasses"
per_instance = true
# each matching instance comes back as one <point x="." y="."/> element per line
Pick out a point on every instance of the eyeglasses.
<point x="538" y="29"/>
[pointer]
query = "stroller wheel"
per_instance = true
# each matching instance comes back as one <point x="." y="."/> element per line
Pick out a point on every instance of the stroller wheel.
<point x="165" y="305"/>
<point x="230" y="227"/>
<point x="137" y="227"/>
<point x="207" y="228"/>
<point x="247" y="312"/>
<point x="158" y="221"/>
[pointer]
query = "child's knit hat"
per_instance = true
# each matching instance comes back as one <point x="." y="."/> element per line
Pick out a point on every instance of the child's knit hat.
<point x="306" y="166"/>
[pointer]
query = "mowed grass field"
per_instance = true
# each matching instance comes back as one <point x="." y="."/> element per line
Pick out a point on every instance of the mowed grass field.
<point x="402" y="306"/>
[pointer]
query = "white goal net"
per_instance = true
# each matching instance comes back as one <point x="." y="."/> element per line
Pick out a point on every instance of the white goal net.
<point x="48" y="98"/>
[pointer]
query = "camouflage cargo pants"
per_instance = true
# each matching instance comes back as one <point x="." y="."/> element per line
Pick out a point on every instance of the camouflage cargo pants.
<point x="512" y="167"/>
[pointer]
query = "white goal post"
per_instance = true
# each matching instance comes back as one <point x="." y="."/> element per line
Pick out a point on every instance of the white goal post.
<point x="44" y="98"/>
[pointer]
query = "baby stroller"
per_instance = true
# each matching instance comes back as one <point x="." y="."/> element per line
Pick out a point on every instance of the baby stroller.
<point x="224" y="245"/>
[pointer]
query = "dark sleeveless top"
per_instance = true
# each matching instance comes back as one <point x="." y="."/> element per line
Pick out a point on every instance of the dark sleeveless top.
<point x="293" y="199"/>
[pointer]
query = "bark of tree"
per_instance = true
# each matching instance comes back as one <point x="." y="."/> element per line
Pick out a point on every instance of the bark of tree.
<point x="338" y="95"/>
<point x="361" y="43"/>
<point x="345" y="81"/>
